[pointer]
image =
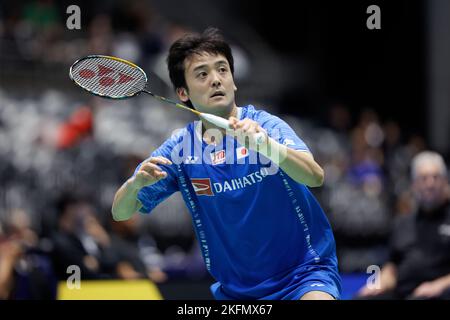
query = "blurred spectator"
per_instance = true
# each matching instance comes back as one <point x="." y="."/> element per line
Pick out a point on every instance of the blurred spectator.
<point x="100" y="37"/>
<point x="419" y="265"/>
<point x="140" y="258"/>
<point x="25" y="268"/>
<point x="80" y="240"/>
<point x="10" y="253"/>
<point x="40" y="30"/>
<point x="357" y="200"/>
<point x="41" y="14"/>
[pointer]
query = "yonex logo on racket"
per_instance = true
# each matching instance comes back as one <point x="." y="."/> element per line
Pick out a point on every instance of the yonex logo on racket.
<point x="107" y="76"/>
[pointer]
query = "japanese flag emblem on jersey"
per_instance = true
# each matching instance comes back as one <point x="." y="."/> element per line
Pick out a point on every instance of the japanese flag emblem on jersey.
<point x="241" y="152"/>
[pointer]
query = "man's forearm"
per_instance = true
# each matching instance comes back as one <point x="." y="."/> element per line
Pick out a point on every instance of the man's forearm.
<point x="299" y="165"/>
<point x="125" y="201"/>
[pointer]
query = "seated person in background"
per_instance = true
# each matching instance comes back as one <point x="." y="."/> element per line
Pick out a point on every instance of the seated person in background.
<point x="10" y="253"/>
<point x="129" y="244"/>
<point x="81" y="240"/>
<point x="419" y="265"/>
<point x="25" y="268"/>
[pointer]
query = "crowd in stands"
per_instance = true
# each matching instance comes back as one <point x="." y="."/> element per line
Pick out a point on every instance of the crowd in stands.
<point x="63" y="157"/>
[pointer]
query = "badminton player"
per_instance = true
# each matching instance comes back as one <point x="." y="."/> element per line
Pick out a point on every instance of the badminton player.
<point x="262" y="233"/>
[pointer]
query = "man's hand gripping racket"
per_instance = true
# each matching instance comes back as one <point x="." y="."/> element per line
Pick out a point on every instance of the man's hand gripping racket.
<point x="115" y="78"/>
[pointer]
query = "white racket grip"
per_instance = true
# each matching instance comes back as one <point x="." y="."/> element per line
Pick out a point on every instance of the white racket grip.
<point x="259" y="137"/>
<point x="224" y="124"/>
<point x="218" y="121"/>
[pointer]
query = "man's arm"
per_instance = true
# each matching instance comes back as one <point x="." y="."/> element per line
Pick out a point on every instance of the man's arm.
<point x="299" y="165"/>
<point x="125" y="201"/>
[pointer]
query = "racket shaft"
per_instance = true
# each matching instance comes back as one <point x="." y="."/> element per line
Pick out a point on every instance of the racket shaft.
<point x="160" y="98"/>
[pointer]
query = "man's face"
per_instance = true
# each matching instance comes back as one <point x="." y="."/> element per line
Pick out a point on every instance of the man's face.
<point x="430" y="185"/>
<point x="210" y="84"/>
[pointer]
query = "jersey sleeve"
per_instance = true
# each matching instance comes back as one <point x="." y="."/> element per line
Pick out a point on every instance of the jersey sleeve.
<point x="280" y="131"/>
<point x="151" y="196"/>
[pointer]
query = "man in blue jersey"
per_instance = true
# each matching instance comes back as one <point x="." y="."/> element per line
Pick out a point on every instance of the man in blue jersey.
<point x="262" y="233"/>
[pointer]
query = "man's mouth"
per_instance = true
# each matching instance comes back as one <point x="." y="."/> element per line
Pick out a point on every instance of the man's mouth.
<point x="218" y="94"/>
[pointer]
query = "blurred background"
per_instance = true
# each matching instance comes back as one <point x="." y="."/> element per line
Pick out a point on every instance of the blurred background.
<point x="365" y="101"/>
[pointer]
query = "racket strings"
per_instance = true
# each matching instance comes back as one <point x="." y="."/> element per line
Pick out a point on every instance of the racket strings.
<point x="109" y="77"/>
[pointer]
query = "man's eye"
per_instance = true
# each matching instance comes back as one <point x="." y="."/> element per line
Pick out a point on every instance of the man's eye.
<point x="201" y="75"/>
<point x="223" y="69"/>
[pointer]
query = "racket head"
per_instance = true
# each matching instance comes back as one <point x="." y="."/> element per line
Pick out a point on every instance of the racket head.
<point x="108" y="77"/>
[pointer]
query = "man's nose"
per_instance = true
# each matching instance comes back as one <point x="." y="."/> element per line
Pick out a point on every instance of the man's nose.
<point x="216" y="80"/>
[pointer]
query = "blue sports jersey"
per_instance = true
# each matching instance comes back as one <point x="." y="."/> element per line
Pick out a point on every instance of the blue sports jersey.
<point x="260" y="232"/>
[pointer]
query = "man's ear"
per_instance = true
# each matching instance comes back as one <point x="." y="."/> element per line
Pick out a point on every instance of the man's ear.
<point x="182" y="94"/>
<point x="235" y="88"/>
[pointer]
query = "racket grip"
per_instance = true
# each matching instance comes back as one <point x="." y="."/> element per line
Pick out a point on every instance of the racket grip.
<point x="259" y="137"/>
<point x="224" y="124"/>
<point x="218" y="121"/>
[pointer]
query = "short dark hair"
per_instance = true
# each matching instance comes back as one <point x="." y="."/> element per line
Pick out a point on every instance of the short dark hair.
<point x="210" y="41"/>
